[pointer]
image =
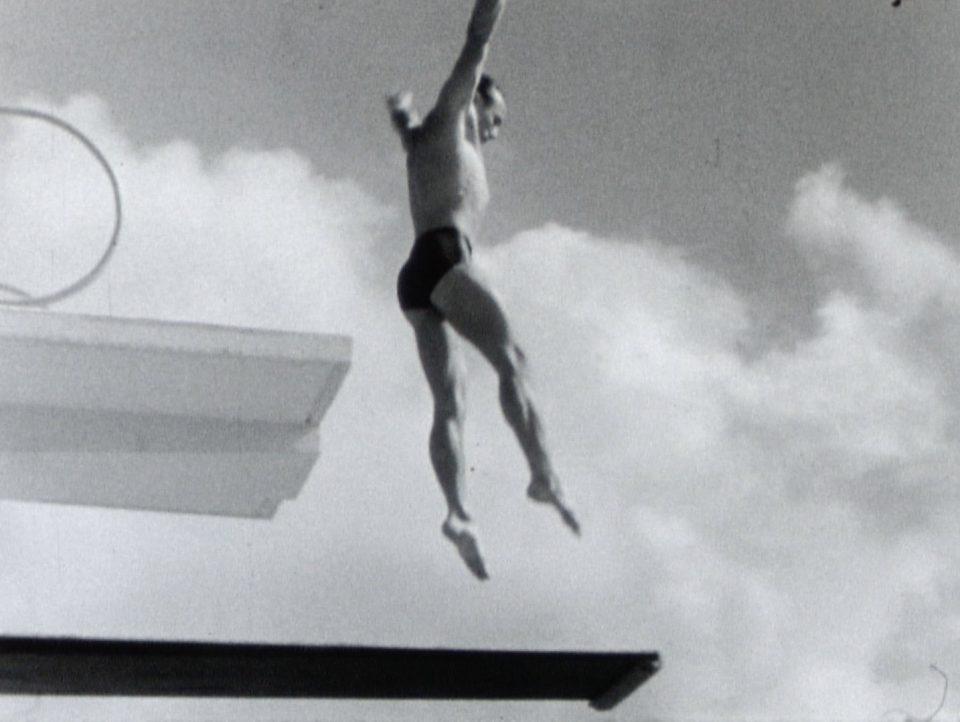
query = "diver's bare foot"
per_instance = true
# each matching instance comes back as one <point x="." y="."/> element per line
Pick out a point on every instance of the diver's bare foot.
<point x="465" y="540"/>
<point x="543" y="491"/>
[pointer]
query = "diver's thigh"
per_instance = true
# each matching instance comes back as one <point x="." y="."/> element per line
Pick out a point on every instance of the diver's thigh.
<point x="438" y="350"/>
<point x="470" y="305"/>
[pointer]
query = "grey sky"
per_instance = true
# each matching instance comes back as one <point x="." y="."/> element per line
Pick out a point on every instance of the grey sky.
<point x="689" y="121"/>
<point x="692" y="119"/>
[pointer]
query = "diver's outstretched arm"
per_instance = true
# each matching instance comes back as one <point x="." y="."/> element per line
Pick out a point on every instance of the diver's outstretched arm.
<point x="458" y="91"/>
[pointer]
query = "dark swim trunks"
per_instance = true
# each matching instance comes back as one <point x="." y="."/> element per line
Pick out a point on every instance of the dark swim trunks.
<point x="434" y="253"/>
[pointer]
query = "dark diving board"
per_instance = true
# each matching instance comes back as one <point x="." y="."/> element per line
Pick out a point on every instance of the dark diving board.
<point x="84" y="667"/>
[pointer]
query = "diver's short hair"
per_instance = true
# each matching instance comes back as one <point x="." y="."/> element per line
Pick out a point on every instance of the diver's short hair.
<point x="485" y="88"/>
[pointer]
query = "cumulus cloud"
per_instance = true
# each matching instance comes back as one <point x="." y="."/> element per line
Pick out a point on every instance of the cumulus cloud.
<point x="900" y="264"/>
<point x="789" y="480"/>
<point x="781" y="527"/>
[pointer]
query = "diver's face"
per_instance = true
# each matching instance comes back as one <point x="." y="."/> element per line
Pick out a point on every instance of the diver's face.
<point x="490" y="114"/>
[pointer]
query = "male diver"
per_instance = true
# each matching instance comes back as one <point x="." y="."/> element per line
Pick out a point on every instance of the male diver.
<point x="439" y="290"/>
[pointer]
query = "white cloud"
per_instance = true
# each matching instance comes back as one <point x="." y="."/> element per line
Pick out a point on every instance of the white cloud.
<point x="801" y="468"/>
<point x="763" y="522"/>
<point x="900" y="264"/>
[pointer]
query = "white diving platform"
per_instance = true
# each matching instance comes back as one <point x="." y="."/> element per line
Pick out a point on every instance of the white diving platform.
<point x="162" y="416"/>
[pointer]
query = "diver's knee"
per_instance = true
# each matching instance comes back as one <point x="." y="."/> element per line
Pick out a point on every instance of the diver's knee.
<point x="448" y="407"/>
<point x="511" y="362"/>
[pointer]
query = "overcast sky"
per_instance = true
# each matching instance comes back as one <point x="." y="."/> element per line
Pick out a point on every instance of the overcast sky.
<point x="728" y="233"/>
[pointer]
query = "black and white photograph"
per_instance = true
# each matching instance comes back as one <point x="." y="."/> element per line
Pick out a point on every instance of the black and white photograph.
<point x="481" y="360"/>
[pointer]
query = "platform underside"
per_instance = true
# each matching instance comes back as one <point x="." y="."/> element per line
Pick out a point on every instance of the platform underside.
<point x="76" y="667"/>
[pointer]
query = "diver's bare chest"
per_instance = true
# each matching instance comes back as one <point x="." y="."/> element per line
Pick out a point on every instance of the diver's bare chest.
<point x="457" y="166"/>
